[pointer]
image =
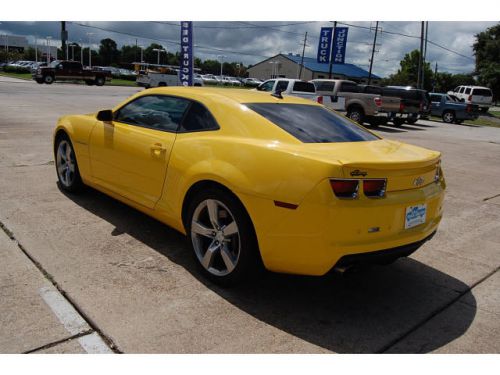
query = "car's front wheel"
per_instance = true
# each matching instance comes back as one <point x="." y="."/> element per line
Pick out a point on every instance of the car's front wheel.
<point x="48" y="79"/>
<point x="66" y="165"/>
<point x="222" y="237"/>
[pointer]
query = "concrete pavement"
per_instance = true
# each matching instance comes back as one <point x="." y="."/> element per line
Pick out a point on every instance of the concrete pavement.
<point x="133" y="280"/>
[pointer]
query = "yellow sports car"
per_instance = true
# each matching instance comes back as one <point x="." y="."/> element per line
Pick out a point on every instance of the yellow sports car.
<point x="256" y="178"/>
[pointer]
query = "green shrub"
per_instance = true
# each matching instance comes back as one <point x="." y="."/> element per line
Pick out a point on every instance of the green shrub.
<point x="16" y="69"/>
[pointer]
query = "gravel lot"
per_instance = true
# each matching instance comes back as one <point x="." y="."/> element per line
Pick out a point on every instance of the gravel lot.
<point x="88" y="274"/>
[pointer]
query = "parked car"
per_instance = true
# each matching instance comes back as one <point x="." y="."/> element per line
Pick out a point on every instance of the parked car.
<point x="209" y="79"/>
<point x="290" y="184"/>
<point x="479" y="95"/>
<point x="414" y="104"/>
<point x="452" y="111"/>
<point x="72" y="71"/>
<point x="289" y="86"/>
<point x="362" y="103"/>
<point x="251" y="82"/>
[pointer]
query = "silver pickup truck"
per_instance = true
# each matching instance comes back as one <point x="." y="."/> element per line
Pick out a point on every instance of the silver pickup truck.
<point x="362" y="103"/>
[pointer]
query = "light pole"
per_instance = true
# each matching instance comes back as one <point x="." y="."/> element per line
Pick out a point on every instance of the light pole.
<point x="142" y="54"/>
<point x="273" y="68"/>
<point x="221" y="64"/>
<point x="72" y="51"/>
<point x="48" y="48"/>
<point x="90" y="49"/>
<point x="158" y="50"/>
<point x="36" y="49"/>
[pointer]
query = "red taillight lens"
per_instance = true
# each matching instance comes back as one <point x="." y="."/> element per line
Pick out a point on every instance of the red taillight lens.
<point x="401" y="107"/>
<point x="345" y="188"/>
<point x="319" y="99"/>
<point x="378" y="102"/>
<point x="469" y="98"/>
<point x="374" y="188"/>
<point x="469" y="108"/>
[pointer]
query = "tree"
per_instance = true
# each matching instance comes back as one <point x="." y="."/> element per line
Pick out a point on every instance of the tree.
<point x="407" y="75"/>
<point x="108" y="52"/>
<point x="487" y="52"/>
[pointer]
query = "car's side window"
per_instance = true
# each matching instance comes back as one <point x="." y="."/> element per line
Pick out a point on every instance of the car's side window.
<point x="435" y="98"/>
<point x="154" y="111"/>
<point x="467" y="90"/>
<point x="282" y="85"/>
<point x="268" y="86"/>
<point x="198" y="118"/>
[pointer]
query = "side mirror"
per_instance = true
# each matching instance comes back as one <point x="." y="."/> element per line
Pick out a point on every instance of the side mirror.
<point x="105" y="115"/>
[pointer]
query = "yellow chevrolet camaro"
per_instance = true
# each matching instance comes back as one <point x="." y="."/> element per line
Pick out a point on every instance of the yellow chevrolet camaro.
<point x="253" y="178"/>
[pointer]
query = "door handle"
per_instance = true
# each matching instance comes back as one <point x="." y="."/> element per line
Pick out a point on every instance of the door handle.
<point x="158" y="147"/>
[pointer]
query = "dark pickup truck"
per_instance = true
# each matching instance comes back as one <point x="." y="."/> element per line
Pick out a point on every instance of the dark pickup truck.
<point x="70" y="71"/>
<point x="414" y="104"/>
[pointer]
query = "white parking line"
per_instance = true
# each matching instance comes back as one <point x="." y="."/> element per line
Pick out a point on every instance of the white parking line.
<point x="73" y="321"/>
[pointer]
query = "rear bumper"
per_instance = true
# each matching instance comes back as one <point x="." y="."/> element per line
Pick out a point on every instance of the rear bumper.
<point x="314" y="237"/>
<point x="386" y="256"/>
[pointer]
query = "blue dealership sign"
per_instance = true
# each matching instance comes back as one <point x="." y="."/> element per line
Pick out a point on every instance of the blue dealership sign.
<point x="325" y="45"/>
<point x="339" y="45"/>
<point x="186" y="68"/>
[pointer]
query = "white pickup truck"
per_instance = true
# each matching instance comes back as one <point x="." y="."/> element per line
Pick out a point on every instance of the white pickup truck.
<point x="288" y="86"/>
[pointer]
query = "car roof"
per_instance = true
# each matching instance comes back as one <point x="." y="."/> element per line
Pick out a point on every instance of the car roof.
<point x="224" y="94"/>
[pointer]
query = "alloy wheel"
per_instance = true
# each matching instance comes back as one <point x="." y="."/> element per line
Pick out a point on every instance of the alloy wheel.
<point x="65" y="163"/>
<point x="215" y="236"/>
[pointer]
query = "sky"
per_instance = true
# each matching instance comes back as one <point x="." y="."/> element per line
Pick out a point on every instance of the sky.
<point x="252" y="41"/>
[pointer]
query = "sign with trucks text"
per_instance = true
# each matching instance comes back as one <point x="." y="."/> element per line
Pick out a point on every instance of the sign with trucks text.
<point x="186" y="63"/>
<point x="325" y="45"/>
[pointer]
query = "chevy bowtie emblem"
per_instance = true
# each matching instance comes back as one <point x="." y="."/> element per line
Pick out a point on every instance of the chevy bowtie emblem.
<point x="418" y="181"/>
<point x="357" y="172"/>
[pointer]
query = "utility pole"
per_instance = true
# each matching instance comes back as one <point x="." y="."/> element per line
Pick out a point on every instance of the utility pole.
<point x="90" y="49"/>
<point x="420" y="58"/>
<point x="373" y="53"/>
<point x="330" y="66"/>
<point x="435" y="78"/>
<point x="425" y="52"/>
<point x="64" y="39"/>
<point x="302" y="59"/>
<point x="36" y="49"/>
<point x="135" y="52"/>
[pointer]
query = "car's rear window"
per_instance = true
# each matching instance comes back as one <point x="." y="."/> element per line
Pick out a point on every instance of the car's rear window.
<point x="304" y="87"/>
<point x="311" y="123"/>
<point x="324" y="86"/>
<point x="482" y="92"/>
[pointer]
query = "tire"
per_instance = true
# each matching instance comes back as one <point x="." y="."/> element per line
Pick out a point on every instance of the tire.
<point x="448" y="117"/>
<point x="398" y="121"/>
<point x="356" y="114"/>
<point x="217" y="220"/>
<point x="48" y="79"/>
<point x="68" y="174"/>
<point x="99" y="81"/>
<point x="412" y="120"/>
<point x="39" y="80"/>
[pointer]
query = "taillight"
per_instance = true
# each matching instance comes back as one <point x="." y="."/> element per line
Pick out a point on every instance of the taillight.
<point x="469" y="108"/>
<point x="401" y="107"/>
<point x="345" y="188"/>
<point x="469" y="98"/>
<point x="437" y="176"/>
<point x="378" y="101"/>
<point x="374" y="188"/>
<point x="319" y="99"/>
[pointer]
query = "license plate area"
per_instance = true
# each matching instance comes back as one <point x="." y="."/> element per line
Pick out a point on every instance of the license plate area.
<point x="415" y="215"/>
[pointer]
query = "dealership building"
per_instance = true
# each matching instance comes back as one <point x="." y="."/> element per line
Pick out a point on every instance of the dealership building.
<point x="19" y="43"/>
<point x="288" y="66"/>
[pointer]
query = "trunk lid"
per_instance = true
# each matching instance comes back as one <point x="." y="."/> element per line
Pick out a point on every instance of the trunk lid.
<point x="404" y="166"/>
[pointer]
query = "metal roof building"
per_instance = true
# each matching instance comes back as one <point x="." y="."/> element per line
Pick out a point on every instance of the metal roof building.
<point x="288" y="66"/>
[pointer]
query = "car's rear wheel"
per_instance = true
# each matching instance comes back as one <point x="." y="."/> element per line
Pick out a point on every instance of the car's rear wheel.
<point x="398" y="121"/>
<point x="356" y="114"/>
<point x="66" y="165"/>
<point x="222" y="236"/>
<point x="412" y="120"/>
<point x="99" y="81"/>
<point x="48" y="79"/>
<point x="448" y="117"/>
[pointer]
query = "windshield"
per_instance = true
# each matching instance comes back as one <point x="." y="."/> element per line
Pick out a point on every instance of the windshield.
<point x="312" y="123"/>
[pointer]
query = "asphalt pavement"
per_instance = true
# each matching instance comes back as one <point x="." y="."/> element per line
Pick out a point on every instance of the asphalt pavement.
<point x="85" y="273"/>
